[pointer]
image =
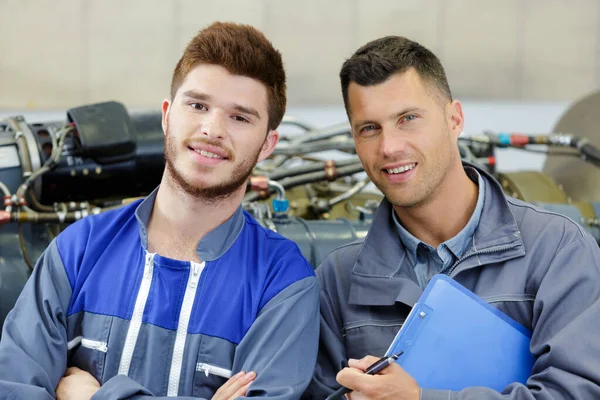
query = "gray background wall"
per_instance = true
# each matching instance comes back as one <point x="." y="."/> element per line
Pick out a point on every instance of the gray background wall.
<point x="61" y="53"/>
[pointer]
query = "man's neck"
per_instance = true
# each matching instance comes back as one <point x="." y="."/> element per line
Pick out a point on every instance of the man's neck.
<point x="445" y="215"/>
<point x="179" y="220"/>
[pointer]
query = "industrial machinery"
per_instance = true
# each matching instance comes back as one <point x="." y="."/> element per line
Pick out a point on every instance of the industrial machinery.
<point x="101" y="157"/>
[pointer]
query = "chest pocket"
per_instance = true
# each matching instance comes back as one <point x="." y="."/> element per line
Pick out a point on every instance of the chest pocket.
<point x="208" y="378"/>
<point x="213" y="366"/>
<point x="88" y="349"/>
<point x="370" y="337"/>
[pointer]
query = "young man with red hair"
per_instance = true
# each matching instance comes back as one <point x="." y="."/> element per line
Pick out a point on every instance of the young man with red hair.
<point x="183" y="293"/>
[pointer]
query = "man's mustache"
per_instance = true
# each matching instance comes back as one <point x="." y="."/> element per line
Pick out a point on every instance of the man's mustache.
<point x="214" y="143"/>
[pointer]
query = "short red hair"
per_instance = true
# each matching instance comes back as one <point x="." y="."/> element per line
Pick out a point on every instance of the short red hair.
<point x="241" y="50"/>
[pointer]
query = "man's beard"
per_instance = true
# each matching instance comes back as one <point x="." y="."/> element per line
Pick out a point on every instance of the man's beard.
<point x="213" y="193"/>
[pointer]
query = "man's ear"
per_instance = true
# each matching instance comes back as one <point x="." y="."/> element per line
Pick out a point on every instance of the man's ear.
<point x="166" y="107"/>
<point x="456" y="118"/>
<point x="268" y="145"/>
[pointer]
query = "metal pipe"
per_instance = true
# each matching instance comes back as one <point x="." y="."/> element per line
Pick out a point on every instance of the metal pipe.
<point x="353" y="190"/>
<point x="22" y="147"/>
<point x="325" y="133"/>
<point x="304" y="148"/>
<point x="36" y="203"/>
<point x="313" y="167"/>
<point x="278" y="189"/>
<point x="4" y="189"/>
<point x="56" y="217"/>
<point x="49" y="165"/>
<point x="288" y="120"/>
<point x="5" y="201"/>
<point x="312" y="177"/>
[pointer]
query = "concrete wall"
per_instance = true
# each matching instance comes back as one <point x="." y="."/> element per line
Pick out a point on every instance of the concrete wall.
<point x="56" y="54"/>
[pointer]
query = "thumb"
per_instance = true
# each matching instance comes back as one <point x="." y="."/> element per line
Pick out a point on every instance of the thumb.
<point x="72" y="370"/>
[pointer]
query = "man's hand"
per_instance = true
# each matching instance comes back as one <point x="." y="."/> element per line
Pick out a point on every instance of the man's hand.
<point x="77" y="384"/>
<point x="392" y="383"/>
<point x="235" y="387"/>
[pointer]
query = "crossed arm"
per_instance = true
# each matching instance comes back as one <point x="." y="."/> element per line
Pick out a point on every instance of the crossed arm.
<point x="281" y="344"/>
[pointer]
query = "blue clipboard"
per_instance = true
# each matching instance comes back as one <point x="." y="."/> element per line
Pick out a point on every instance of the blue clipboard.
<point x="453" y="339"/>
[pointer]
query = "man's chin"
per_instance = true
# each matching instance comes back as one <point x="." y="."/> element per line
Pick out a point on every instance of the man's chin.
<point x="212" y="190"/>
<point x="215" y="185"/>
<point x="407" y="202"/>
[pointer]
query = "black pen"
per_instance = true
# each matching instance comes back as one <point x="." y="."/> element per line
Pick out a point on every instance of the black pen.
<point x="372" y="370"/>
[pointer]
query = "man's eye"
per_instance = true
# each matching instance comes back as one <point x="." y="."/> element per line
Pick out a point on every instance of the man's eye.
<point x="368" y="128"/>
<point x="410" y="117"/>
<point x="198" y="106"/>
<point x="239" y="118"/>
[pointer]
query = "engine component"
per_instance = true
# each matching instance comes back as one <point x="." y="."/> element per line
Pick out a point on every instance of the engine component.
<point x="89" y="171"/>
<point x="532" y="186"/>
<point x="579" y="178"/>
<point x="105" y="132"/>
<point x="317" y="238"/>
<point x="540" y="189"/>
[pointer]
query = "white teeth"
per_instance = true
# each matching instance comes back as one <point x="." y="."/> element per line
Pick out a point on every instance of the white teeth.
<point x="207" y="154"/>
<point x="403" y="168"/>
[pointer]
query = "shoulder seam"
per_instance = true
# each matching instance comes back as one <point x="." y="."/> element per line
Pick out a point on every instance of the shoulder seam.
<point x="58" y="252"/>
<point x="313" y="282"/>
<point x="358" y="242"/>
<point x="541" y="210"/>
<point x="265" y="231"/>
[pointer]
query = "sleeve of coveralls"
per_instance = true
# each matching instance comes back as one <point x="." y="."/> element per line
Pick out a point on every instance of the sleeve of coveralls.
<point x="565" y="333"/>
<point x="33" y="349"/>
<point x="332" y="350"/>
<point x="280" y="346"/>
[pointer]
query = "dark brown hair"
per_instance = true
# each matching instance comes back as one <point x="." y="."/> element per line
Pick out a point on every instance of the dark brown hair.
<point x="379" y="59"/>
<point x="241" y="50"/>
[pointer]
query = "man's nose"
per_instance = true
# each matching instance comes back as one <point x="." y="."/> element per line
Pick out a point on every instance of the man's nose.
<point x="213" y="126"/>
<point x="392" y="143"/>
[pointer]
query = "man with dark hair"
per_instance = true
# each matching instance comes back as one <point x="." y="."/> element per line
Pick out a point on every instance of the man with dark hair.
<point x="441" y="215"/>
<point x="182" y="293"/>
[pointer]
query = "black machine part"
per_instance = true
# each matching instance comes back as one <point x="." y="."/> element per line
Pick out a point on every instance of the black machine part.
<point x="79" y="178"/>
<point x="109" y="154"/>
<point x="95" y="163"/>
<point x="105" y="132"/>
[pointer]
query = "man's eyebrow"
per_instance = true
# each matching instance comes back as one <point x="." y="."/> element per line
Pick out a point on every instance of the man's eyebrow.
<point x="406" y="111"/>
<point x="246" y="110"/>
<point x="196" y="95"/>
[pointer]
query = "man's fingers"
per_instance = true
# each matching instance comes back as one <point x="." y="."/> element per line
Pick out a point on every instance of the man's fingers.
<point x="351" y="378"/>
<point x="241" y="392"/>
<point x="244" y="380"/>
<point x="391" y="369"/>
<point x="357" y="380"/>
<point x="356" y="396"/>
<point x="234" y="384"/>
<point x="363" y="363"/>
<point x="231" y="380"/>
